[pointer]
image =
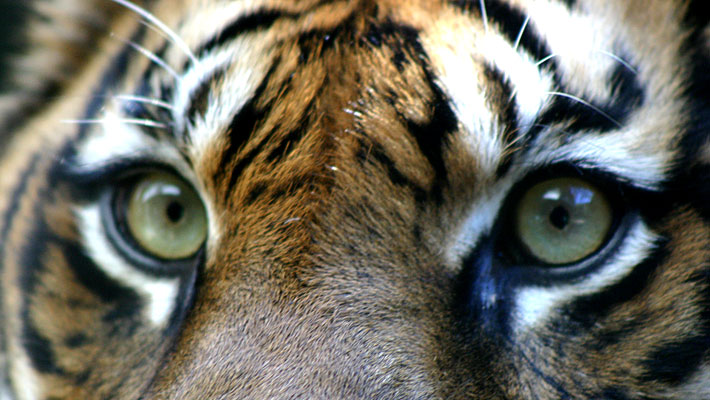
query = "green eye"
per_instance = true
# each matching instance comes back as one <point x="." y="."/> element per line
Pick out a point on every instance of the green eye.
<point x="563" y="220"/>
<point x="165" y="217"/>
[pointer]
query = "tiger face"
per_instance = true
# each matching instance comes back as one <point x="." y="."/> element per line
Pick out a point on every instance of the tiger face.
<point x="425" y="199"/>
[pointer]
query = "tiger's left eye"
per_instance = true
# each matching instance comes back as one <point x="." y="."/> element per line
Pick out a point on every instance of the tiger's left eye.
<point x="563" y="220"/>
<point x="166" y="217"/>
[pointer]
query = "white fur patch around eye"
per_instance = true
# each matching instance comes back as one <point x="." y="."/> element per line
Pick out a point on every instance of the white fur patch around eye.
<point x="534" y="305"/>
<point x="160" y="293"/>
<point x="244" y="63"/>
<point x="613" y="152"/>
<point x="115" y="138"/>
<point x="479" y="221"/>
<point x="193" y="79"/>
<point x="695" y="387"/>
<point x="530" y="85"/>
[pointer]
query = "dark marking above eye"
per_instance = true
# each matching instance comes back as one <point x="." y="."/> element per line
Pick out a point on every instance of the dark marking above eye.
<point x="510" y="20"/>
<point x="242" y="126"/>
<point x="199" y="99"/>
<point x="626" y="96"/>
<point x="432" y="136"/>
<point x="244" y="24"/>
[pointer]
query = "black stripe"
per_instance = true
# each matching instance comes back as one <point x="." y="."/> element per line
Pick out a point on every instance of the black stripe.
<point x="199" y="99"/>
<point x="675" y="362"/>
<point x="10" y="213"/>
<point x="297" y="133"/>
<point x="117" y="68"/>
<point x="38" y="348"/>
<point x="626" y="96"/>
<point x="432" y="136"/>
<point x="510" y="21"/>
<point x="371" y="151"/>
<point x="569" y="3"/>
<point x="612" y="393"/>
<point x="502" y="99"/>
<point x="236" y="172"/>
<point x="32" y="257"/>
<point x="314" y="43"/>
<point x="244" y="24"/>
<point x="92" y="277"/>
<point x="140" y="110"/>
<point x="31" y="263"/>
<point x="587" y="310"/>
<point x="256" y="190"/>
<point x="110" y="78"/>
<point x="500" y="94"/>
<point x="692" y="179"/>
<point x="401" y="39"/>
<point x="241" y="128"/>
<point x="579" y="115"/>
<point x="15" y="199"/>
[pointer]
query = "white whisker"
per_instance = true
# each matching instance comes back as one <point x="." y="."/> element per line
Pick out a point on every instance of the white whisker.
<point x="130" y="121"/>
<point x="141" y="99"/>
<point x="545" y="59"/>
<point x="484" y="15"/>
<point x="586" y="103"/>
<point x="520" y="34"/>
<point x="152" y="56"/>
<point x="174" y="37"/>
<point x="619" y="60"/>
<point x="154" y="29"/>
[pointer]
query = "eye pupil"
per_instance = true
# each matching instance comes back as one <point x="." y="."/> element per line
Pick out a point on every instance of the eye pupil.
<point x="175" y="212"/>
<point x="559" y="217"/>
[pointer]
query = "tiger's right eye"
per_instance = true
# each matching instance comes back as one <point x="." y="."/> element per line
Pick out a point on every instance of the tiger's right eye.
<point x="563" y="220"/>
<point x="165" y="217"/>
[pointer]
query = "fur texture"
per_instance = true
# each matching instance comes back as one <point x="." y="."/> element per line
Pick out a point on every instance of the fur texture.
<point x="361" y="165"/>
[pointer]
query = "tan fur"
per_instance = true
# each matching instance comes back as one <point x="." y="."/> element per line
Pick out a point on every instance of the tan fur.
<point x="335" y="265"/>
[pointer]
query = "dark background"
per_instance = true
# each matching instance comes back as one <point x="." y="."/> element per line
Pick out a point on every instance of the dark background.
<point x="12" y="14"/>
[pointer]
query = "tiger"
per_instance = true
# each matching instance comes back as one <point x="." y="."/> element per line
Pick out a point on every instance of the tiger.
<point x="356" y="199"/>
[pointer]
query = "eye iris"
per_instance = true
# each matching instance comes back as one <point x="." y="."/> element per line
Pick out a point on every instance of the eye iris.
<point x="166" y="217"/>
<point x="563" y="220"/>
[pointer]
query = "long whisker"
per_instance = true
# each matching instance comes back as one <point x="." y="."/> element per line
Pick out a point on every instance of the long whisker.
<point x="545" y="59"/>
<point x="484" y="15"/>
<point x="155" y="29"/>
<point x="174" y="37"/>
<point x="585" y="103"/>
<point x="620" y="61"/>
<point x="152" y="56"/>
<point x="141" y="99"/>
<point x="130" y="121"/>
<point x="520" y="34"/>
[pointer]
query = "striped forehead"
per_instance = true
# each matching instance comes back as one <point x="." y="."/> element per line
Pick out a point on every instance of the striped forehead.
<point x="516" y="78"/>
<point x="559" y="75"/>
<point x="244" y="46"/>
